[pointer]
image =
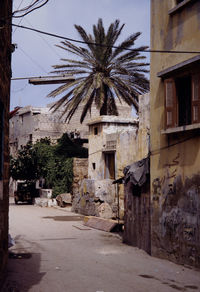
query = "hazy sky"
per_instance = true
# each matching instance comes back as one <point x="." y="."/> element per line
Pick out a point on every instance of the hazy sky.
<point x="35" y="53"/>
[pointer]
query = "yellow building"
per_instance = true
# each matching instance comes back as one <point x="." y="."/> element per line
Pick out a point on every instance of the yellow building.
<point x="175" y="130"/>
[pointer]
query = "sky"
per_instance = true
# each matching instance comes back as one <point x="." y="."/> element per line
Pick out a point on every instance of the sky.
<point x="35" y="53"/>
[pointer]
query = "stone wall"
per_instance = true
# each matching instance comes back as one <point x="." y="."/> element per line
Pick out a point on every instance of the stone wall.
<point x="96" y="198"/>
<point x="33" y="123"/>
<point x="5" y="75"/>
<point x="74" y="124"/>
<point x="80" y="172"/>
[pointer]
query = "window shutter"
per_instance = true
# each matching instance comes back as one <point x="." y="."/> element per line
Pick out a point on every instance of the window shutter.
<point x="196" y="98"/>
<point x="170" y="103"/>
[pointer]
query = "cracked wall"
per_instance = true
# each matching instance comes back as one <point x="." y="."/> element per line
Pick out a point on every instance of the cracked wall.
<point x="175" y="158"/>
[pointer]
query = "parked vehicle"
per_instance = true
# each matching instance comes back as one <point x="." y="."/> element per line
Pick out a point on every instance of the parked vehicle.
<point x="26" y="192"/>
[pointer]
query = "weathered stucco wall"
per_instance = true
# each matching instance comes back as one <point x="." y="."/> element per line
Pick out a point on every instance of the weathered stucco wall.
<point x="5" y="75"/>
<point x="144" y="126"/>
<point x="175" y="158"/>
<point x="116" y="136"/>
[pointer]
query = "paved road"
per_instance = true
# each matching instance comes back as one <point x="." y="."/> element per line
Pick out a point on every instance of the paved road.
<point x="54" y="252"/>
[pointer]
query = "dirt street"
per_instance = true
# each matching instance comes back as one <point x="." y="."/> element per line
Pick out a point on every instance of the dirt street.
<point x="55" y="252"/>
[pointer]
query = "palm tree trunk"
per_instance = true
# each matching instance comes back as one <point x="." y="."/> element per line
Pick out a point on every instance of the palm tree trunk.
<point x="104" y="108"/>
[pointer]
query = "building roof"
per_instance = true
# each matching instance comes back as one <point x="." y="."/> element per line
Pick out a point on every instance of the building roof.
<point x="113" y="120"/>
<point x="13" y="112"/>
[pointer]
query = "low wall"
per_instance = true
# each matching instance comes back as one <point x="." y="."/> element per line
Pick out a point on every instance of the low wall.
<point x="96" y="198"/>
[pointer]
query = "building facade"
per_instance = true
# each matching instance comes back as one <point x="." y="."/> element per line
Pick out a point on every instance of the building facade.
<point x="29" y="124"/>
<point x="5" y="75"/>
<point x="33" y="123"/>
<point x="110" y="138"/>
<point x="175" y="131"/>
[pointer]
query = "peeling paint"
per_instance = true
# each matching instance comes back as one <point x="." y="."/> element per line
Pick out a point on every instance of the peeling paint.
<point x="178" y="235"/>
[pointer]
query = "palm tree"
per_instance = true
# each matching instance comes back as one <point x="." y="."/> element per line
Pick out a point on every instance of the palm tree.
<point x="102" y="71"/>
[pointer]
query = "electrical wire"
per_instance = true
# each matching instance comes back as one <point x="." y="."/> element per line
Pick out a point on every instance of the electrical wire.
<point x="45" y="40"/>
<point x="157" y="151"/>
<point x="20" y="89"/>
<point x="32" y="60"/>
<point x="20" y="19"/>
<point x="20" y="4"/>
<point x="103" y="45"/>
<point x="30" y="8"/>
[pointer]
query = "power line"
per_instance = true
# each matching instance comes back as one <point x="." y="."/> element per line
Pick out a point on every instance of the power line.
<point x="33" y="61"/>
<point x="20" y="89"/>
<point x="19" y="5"/>
<point x="157" y="151"/>
<point x="30" y="8"/>
<point x="21" y="18"/>
<point x="55" y="52"/>
<point x="102" y="45"/>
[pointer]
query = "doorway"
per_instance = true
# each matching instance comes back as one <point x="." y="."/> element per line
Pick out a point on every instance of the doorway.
<point x="109" y="165"/>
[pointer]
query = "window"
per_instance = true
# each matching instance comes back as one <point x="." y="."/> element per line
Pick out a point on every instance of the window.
<point x="95" y="130"/>
<point x="109" y="165"/>
<point x="182" y="100"/>
<point x="1" y="139"/>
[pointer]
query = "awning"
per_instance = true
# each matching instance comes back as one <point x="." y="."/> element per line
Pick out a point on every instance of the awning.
<point x="179" y="67"/>
<point x="137" y="172"/>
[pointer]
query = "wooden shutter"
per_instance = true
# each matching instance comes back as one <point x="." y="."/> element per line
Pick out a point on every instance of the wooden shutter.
<point x="196" y="98"/>
<point x="170" y="103"/>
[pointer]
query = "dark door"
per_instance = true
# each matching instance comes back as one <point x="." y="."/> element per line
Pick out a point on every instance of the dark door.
<point x="137" y="219"/>
<point x="110" y="165"/>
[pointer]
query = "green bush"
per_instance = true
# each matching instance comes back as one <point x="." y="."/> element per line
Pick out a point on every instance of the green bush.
<point x="54" y="163"/>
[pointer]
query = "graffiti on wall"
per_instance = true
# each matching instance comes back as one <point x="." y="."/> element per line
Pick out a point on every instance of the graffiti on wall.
<point x="166" y="181"/>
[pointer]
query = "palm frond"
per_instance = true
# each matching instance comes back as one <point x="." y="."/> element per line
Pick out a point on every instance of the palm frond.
<point x="61" y="101"/>
<point x="85" y="37"/>
<point x="126" y="44"/>
<point x="63" y="88"/>
<point x="130" y="55"/>
<point x="102" y="74"/>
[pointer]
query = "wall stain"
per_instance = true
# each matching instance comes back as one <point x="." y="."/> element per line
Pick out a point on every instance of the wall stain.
<point x="178" y="234"/>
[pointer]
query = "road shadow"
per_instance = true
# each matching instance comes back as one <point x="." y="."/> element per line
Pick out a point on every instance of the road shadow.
<point x="23" y="272"/>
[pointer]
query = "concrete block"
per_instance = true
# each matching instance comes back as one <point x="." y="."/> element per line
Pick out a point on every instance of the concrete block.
<point x="46" y="193"/>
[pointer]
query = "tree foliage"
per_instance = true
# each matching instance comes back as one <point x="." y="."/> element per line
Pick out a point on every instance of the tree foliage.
<point x="25" y="167"/>
<point x="102" y="72"/>
<point x="54" y="163"/>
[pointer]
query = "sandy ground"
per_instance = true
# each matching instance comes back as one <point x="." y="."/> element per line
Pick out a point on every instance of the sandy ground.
<point x="55" y="252"/>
